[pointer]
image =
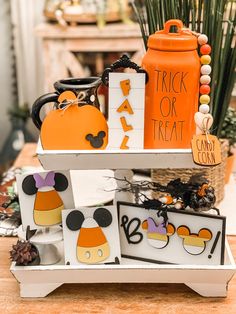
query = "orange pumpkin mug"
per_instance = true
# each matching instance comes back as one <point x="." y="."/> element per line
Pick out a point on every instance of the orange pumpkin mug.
<point x="171" y="100"/>
<point x="75" y="122"/>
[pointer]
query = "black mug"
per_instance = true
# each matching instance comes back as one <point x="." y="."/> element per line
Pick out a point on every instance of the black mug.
<point x="87" y="85"/>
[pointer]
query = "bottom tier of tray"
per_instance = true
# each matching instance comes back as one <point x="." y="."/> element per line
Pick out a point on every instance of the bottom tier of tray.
<point x="208" y="281"/>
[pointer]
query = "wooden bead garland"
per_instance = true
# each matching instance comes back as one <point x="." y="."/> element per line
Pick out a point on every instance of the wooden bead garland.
<point x="205" y="68"/>
<point x="203" y="115"/>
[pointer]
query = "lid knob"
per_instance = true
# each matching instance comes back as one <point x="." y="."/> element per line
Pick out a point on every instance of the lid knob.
<point x="173" y="22"/>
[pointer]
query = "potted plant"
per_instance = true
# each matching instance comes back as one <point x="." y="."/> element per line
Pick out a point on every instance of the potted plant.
<point x="228" y="132"/>
<point x="18" y="135"/>
<point x="24" y="253"/>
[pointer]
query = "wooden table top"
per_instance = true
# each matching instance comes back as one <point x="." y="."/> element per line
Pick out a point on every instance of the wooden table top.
<point x="107" y="298"/>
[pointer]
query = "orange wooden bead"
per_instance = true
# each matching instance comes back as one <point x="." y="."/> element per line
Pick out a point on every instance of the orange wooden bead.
<point x="205" y="49"/>
<point x="205" y="89"/>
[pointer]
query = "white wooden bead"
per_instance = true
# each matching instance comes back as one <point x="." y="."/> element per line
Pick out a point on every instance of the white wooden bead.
<point x="206" y="69"/>
<point x="205" y="79"/>
<point x="204" y="108"/>
<point x="202" y="39"/>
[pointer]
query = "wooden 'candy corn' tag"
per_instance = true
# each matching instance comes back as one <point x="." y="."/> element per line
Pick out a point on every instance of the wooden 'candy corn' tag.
<point x="206" y="150"/>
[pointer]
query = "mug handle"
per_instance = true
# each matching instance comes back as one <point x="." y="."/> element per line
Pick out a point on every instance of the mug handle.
<point x="37" y="106"/>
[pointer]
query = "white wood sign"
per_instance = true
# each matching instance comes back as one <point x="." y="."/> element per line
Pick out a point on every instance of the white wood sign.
<point x="43" y="196"/>
<point x="126" y="110"/>
<point x="91" y="235"/>
<point x="188" y="237"/>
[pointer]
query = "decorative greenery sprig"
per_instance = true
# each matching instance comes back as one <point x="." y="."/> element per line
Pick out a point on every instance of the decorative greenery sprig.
<point x="195" y="193"/>
<point x="228" y="130"/>
<point x="19" y="112"/>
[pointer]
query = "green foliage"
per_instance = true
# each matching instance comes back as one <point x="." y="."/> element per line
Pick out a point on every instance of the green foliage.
<point x="228" y="130"/>
<point x="216" y="19"/>
<point x="19" y="112"/>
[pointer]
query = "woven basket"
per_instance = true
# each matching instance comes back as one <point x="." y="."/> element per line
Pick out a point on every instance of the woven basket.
<point x="214" y="175"/>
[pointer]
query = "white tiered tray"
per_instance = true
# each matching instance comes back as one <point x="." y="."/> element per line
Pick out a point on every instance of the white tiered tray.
<point x="208" y="281"/>
<point x="115" y="159"/>
<point x="39" y="281"/>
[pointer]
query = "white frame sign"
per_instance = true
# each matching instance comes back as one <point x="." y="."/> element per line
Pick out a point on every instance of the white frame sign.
<point x="42" y="196"/>
<point x="91" y="235"/>
<point x="190" y="238"/>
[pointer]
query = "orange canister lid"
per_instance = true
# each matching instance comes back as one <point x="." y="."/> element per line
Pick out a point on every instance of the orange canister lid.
<point x="183" y="40"/>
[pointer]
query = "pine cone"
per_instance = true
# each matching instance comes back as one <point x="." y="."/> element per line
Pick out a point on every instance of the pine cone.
<point x="23" y="253"/>
<point x="203" y="201"/>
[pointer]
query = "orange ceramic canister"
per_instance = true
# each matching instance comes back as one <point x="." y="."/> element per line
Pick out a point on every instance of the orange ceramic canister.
<point x="171" y="100"/>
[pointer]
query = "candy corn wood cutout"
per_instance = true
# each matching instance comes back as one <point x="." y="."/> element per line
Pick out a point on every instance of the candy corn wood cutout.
<point x="206" y="150"/>
<point x="158" y="235"/>
<point x="194" y="243"/>
<point x="42" y="198"/>
<point x="126" y="110"/>
<point x="91" y="235"/>
<point x="92" y="245"/>
<point x="72" y="127"/>
<point x="48" y="204"/>
<point x="47" y="208"/>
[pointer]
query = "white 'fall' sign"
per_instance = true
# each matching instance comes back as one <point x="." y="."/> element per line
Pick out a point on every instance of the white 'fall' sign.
<point x="126" y="110"/>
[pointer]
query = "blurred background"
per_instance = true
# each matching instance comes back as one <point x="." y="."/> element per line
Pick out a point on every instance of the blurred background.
<point x="43" y="41"/>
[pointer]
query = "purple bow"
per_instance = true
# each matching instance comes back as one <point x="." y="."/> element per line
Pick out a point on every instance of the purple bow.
<point x="153" y="228"/>
<point x="48" y="181"/>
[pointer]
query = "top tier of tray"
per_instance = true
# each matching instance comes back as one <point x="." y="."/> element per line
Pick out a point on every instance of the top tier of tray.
<point x="115" y="159"/>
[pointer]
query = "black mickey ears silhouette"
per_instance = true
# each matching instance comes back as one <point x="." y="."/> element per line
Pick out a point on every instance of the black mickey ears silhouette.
<point x="29" y="184"/>
<point x="75" y="218"/>
<point x="103" y="217"/>
<point x="96" y="141"/>
<point x="61" y="182"/>
<point x="101" y="134"/>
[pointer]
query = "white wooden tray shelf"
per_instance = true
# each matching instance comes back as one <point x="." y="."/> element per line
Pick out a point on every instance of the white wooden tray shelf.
<point x="208" y="281"/>
<point x="115" y="159"/>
